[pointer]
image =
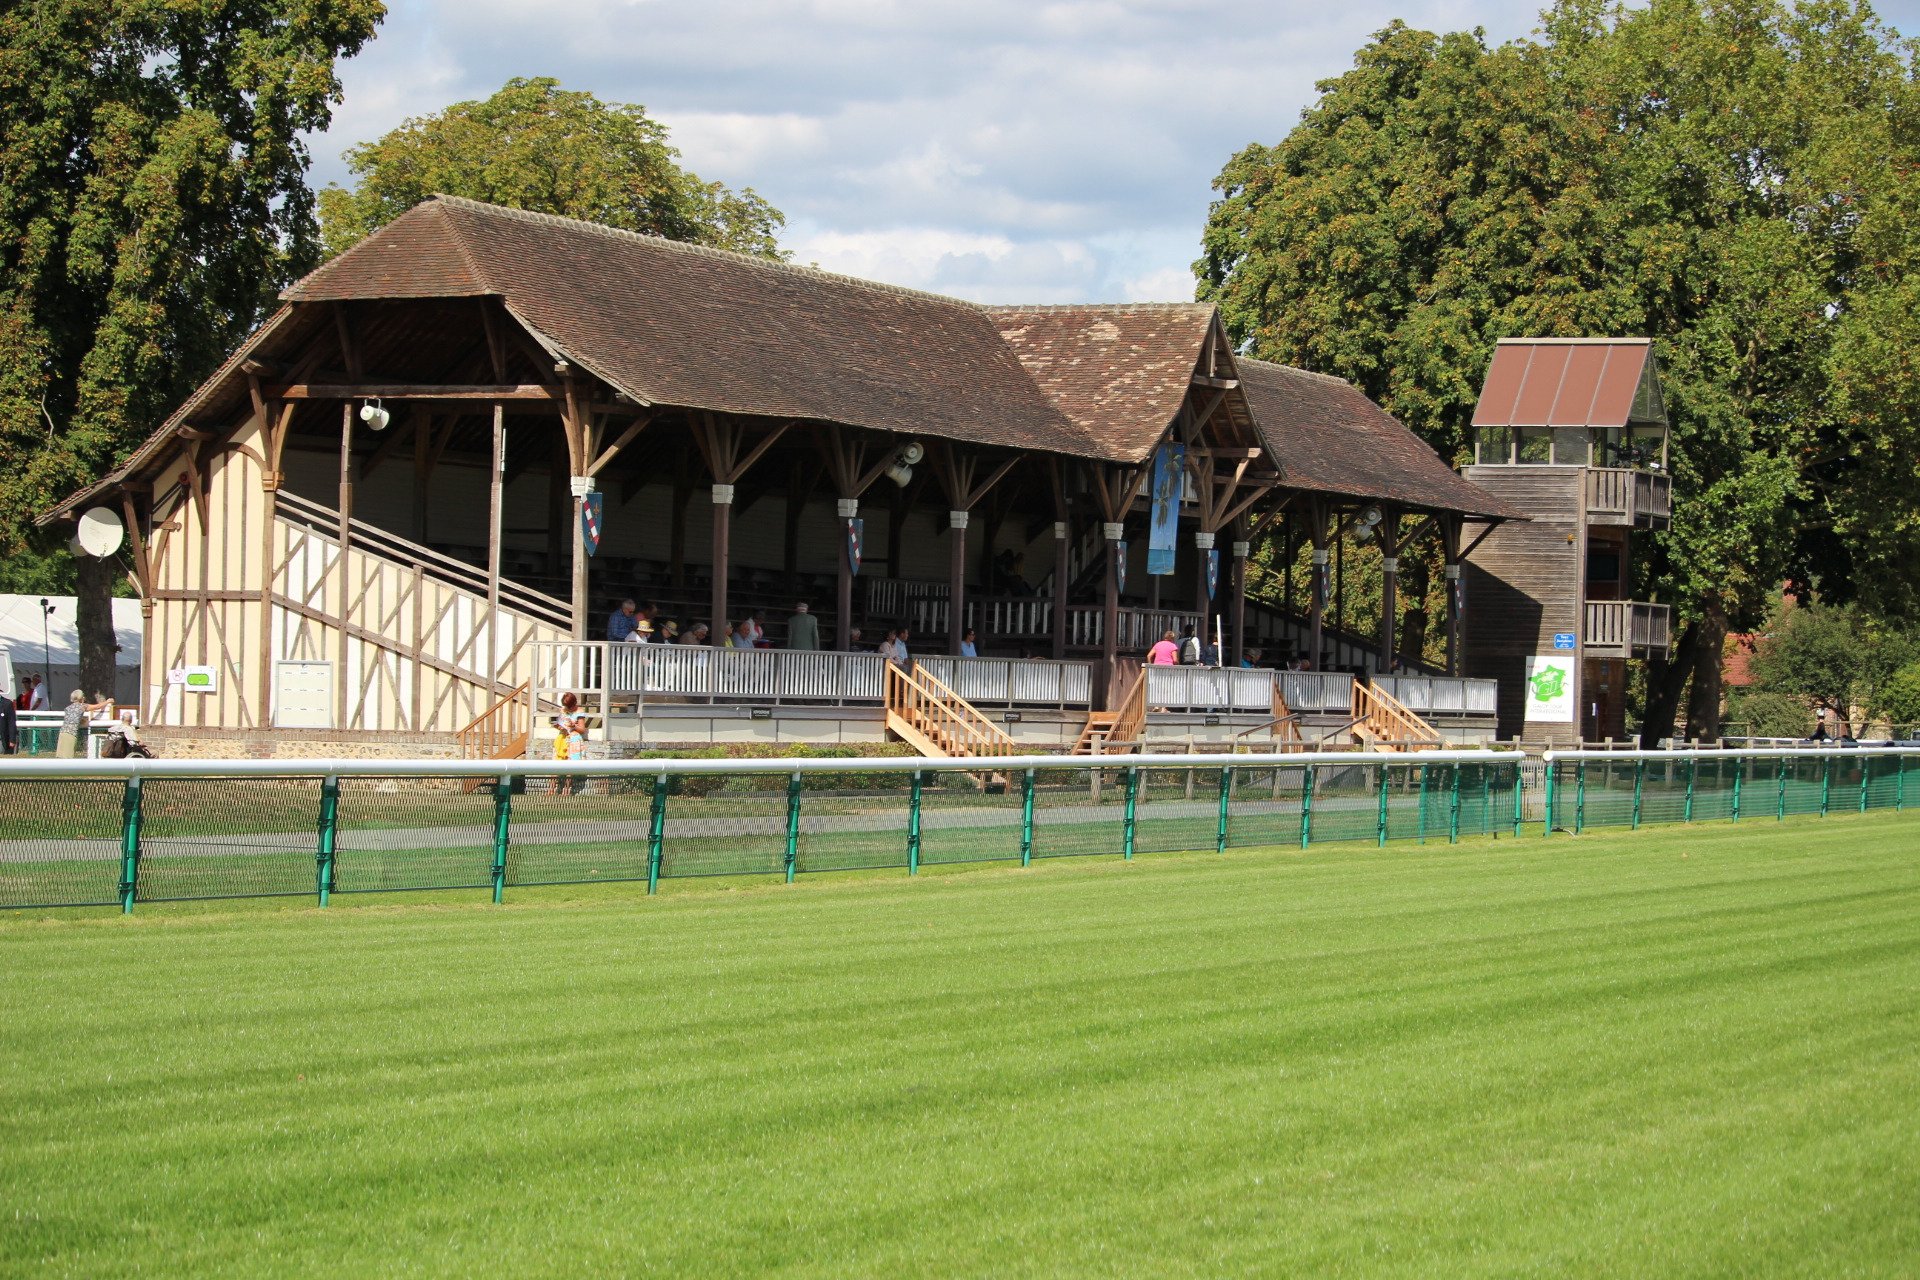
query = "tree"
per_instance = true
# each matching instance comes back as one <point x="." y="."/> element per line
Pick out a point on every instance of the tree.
<point x="153" y="200"/>
<point x="1832" y="657"/>
<point x="1711" y="175"/>
<point x="1900" y="698"/>
<point x="534" y="145"/>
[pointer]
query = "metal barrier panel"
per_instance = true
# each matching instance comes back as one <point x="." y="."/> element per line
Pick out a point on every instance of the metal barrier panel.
<point x="1486" y="798"/>
<point x="1317" y="690"/>
<point x="1846" y="781"/>
<point x="410" y="833"/>
<point x="227" y="838"/>
<point x="1713" y="788"/>
<point x="970" y="817"/>
<point x="60" y="842"/>
<point x="852" y="822"/>
<point x="1346" y="800"/>
<point x="1079" y="811"/>
<point x="1264" y="808"/>
<point x="1802" y="787"/>
<point x="1416" y="803"/>
<point x="1176" y="810"/>
<point x="1884" y="789"/>
<point x="558" y="836"/>
<point x="725" y="825"/>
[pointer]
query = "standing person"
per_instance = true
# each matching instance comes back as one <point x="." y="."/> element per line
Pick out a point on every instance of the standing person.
<point x="621" y="624"/>
<point x="9" y="727"/>
<point x="905" y="657"/>
<point x="1189" y="647"/>
<point x="803" y="629"/>
<point x="1164" y="653"/>
<point x="73" y="726"/>
<point x="24" y="699"/>
<point x="38" y="702"/>
<point x="968" y="648"/>
<point x="569" y="742"/>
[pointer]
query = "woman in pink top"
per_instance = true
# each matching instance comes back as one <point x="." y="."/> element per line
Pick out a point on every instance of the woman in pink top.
<point x="1164" y="654"/>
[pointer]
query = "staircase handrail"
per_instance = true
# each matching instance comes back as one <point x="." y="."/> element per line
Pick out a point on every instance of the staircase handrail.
<point x="957" y="725"/>
<point x="1390" y="719"/>
<point x="1131" y="721"/>
<point x="481" y="737"/>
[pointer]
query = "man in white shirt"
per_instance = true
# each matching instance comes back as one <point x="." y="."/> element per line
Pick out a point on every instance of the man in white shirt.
<point x="39" y="700"/>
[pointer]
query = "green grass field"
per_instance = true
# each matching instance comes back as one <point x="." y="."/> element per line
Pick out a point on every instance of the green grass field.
<point x="1670" y="1051"/>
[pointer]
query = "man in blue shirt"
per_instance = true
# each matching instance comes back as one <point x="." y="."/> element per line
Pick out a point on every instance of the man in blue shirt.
<point x="623" y="621"/>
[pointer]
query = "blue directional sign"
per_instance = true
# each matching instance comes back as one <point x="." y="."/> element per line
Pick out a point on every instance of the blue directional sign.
<point x="1564" y="640"/>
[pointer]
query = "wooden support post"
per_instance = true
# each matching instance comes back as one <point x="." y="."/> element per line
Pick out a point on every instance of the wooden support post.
<point x="846" y="509"/>
<point x="496" y="482"/>
<point x="1112" y="531"/>
<point x="722" y="532"/>
<point x="1317" y="586"/>
<point x="957" y="579"/>
<point x="1391" y="545"/>
<point x="345" y="532"/>
<point x="1062" y="546"/>
<point x="1203" y="544"/>
<point x="1237" y="606"/>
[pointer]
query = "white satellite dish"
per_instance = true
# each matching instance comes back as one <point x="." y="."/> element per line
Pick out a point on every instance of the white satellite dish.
<point x="100" y="532"/>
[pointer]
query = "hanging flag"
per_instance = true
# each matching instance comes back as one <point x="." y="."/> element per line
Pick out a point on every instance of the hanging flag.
<point x="1169" y="482"/>
<point x="1213" y="571"/>
<point x="1120" y="571"/>
<point x="1320" y="586"/>
<point x="590" y="505"/>
<point x="856" y="537"/>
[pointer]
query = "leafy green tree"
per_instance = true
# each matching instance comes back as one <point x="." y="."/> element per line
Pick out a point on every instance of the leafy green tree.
<point x="1900" y="698"/>
<point x="1831" y="656"/>
<point x="1759" y="714"/>
<point x="1715" y="176"/>
<point x="534" y="145"/>
<point x="153" y="200"/>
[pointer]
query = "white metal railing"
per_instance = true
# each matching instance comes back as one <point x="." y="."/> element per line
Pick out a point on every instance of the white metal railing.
<point x="1015" y="682"/>
<point x="1319" y="691"/>
<point x="1138" y="629"/>
<point x="1210" y="689"/>
<point x="605" y="673"/>
<point x="1441" y="695"/>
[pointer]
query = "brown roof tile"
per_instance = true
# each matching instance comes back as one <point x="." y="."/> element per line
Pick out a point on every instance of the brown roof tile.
<point x="1329" y="437"/>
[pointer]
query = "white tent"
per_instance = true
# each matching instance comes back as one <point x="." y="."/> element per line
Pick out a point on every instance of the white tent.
<point x="55" y="653"/>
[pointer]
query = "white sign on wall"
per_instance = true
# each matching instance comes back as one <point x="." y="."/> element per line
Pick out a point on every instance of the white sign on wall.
<point x="1549" y="688"/>
<point x="200" y="679"/>
<point x="303" y="695"/>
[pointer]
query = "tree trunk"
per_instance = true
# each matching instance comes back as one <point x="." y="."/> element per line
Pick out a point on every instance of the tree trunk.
<point x="1703" y="698"/>
<point x="99" y="653"/>
<point x="1666" y="681"/>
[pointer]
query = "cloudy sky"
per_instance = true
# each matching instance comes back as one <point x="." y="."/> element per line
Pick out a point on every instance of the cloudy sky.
<point x="991" y="149"/>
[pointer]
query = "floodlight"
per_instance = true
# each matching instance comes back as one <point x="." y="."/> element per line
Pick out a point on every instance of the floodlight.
<point x="374" y="415"/>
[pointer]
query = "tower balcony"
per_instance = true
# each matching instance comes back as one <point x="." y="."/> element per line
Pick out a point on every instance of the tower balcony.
<point x="1627" y="629"/>
<point x="1629" y="496"/>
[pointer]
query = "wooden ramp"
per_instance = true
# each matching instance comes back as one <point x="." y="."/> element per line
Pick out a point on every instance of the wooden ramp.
<point x="935" y="721"/>
<point x="501" y="732"/>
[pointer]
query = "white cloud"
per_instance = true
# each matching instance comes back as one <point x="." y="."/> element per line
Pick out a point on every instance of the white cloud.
<point x="1001" y="149"/>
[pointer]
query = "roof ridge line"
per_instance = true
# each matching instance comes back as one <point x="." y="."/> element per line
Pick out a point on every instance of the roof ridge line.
<point x="700" y="250"/>
<point x="1096" y="306"/>
<point x="1294" y="368"/>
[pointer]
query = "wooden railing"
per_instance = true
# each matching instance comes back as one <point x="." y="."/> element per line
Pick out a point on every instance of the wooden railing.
<point x="1130" y="716"/>
<point x="1286" y="725"/>
<point x="500" y="729"/>
<point x="937" y="721"/>
<point x="1625" y="628"/>
<point x="1627" y="495"/>
<point x="1381" y="721"/>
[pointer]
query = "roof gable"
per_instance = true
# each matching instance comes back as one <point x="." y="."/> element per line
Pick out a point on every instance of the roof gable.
<point x="1571" y="382"/>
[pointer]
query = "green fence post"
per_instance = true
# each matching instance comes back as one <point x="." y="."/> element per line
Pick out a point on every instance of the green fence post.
<point x="1133" y="798"/>
<point x="1026" y="819"/>
<point x="1693" y="772"/>
<point x="1380" y="786"/>
<point x="1866" y="775"/>
<point x="1780" y="809"/>
<point x="329" y="835"/>
<point x="1739" y="776"/>
<point x="129" y="843"/>
<point x="1552" y="769"/>
<point x="1306" y="806"/>
<point x="793" y="825"/>
<point x="502" y="820"/>
<point x="1420" y="808"/>
<point x="1519" y="796"/>
<point x="913" y="823"/>
<point x="1826" y="782"/>
<point x="1453" y="808"/>
<point x="1226" y="795"/>
<point x="656" y="831"/>
<point x="1899" y="783"/>
<point x="1579" y="796"/>
<point x="1639" y="784"/>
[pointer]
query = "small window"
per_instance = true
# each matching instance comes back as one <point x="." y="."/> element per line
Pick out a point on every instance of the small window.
<point x="1535" y="446"/>
<point x="1495" y="445"/>
<point x="1570" y="447"/>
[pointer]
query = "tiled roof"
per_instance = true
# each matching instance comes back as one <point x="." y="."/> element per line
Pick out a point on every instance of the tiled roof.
<point x="1332" y="439"/>
<point x="1119" y="372"/>
<point x="678" y="324"/>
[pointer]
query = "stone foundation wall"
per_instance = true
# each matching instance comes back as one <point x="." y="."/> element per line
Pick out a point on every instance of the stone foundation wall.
<point x="185" y="743"/>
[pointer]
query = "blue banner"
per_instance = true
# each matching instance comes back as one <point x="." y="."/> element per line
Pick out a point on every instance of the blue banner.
<point x="1213" y="571"/>
<point x="1169" y="482"/>
<point x="590" y="511"/>
<point x="856" y="538"/>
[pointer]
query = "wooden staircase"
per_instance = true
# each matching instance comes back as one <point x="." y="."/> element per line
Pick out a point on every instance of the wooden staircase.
<point x="501" y="732"/>
<point x="935" y="721"/>
<point x="1382" y="722"/>
<point x="1125" y="724"/>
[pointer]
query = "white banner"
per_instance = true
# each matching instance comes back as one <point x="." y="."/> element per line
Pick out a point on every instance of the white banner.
<point x="1550" y="688"/>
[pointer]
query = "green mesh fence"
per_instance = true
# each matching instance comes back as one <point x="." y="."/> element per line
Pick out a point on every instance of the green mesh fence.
<point x="60" y="842"/>
<point x="66" y="841"/>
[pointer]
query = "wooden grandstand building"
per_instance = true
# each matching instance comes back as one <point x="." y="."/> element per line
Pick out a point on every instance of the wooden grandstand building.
<point x="730" y="419"/>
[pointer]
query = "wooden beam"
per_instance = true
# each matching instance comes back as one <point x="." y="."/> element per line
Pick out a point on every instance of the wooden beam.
<point x="1218" y="384"/>
<point x="416" y="391"/>
<point x="620" y="442"/>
